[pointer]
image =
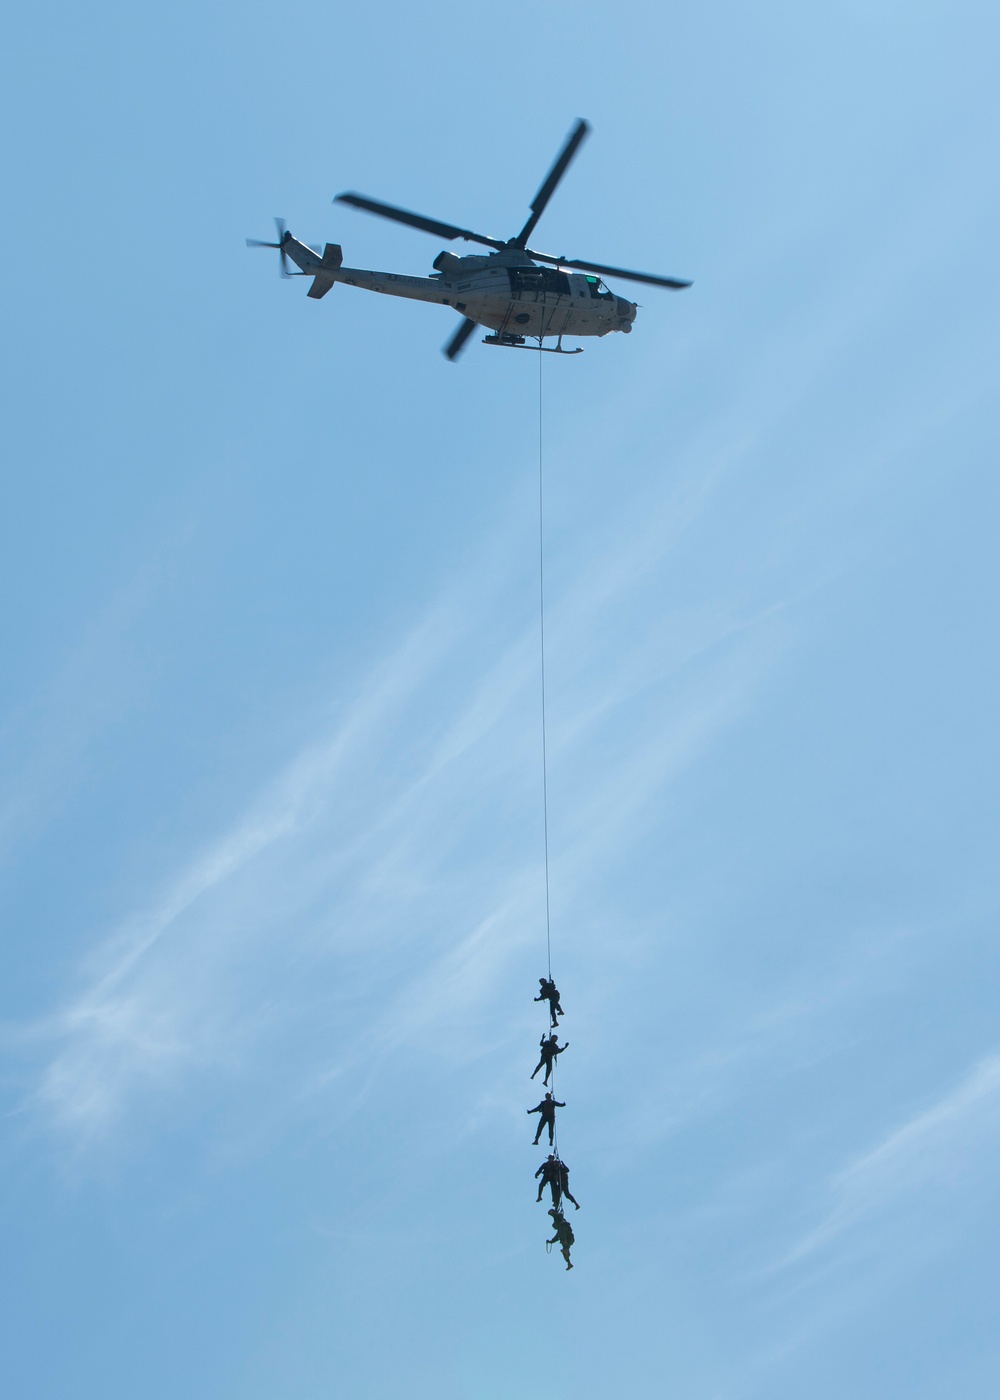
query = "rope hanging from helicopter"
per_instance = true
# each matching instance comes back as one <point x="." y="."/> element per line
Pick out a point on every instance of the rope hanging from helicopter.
<point x="554" y="1173"/>
<point x="541" y="639"/>
<point x="544" y="726"/>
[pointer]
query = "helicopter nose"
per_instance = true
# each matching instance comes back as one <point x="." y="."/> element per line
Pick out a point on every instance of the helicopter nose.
<point x="626" y="313"/>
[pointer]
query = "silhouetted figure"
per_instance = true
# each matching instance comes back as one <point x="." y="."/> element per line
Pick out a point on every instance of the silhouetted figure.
<point x="547" y="1111"/>
<point x="550" y="1176"/>
<point x="550" y="1050"/>
<point x="550" y="994"/>
<point x="563" y="1236"/>
<point x="564" y="1185"/>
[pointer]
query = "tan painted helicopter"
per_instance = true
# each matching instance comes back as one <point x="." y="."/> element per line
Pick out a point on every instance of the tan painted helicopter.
<point x="505" y="291"/>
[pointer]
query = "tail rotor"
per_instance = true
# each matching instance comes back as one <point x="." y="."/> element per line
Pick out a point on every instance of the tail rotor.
<point x="283" y="236"/>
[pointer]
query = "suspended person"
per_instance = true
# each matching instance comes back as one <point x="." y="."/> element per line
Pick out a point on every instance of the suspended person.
<point x="550" y="993"/>
<point x="551" y="1049"/>
<point x="564" y="1185"/>
<point x="547" y="1116"/>
<point x="563" y="1236"/>
<point x="550" y="1176"/>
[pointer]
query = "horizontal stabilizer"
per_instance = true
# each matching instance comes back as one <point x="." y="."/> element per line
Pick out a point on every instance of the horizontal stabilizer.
<point x="333" y="257"/>
<point x="321" y="285"/>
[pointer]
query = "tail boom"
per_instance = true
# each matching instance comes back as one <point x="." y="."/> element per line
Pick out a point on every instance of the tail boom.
<point x="327" y="268"/>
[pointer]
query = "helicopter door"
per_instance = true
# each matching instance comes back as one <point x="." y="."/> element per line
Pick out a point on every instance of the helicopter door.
<point x="525" y="283"/>
<point x="533" y="284"/>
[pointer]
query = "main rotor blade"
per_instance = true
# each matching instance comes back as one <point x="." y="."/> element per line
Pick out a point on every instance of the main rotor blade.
<point x="674" y="283"/>
<point x="404" y="216"/>
<point x="552" y="179"/>
<point x="454" y="347"/>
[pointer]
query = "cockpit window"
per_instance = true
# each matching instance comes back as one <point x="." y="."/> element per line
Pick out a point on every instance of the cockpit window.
<point x="597" y="288"/>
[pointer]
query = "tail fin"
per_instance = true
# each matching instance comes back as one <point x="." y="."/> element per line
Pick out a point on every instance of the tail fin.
<point x="333" y="257"/>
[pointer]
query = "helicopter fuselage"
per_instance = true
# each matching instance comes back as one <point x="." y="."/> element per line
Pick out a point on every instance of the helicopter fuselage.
<point x="504" y="291"/>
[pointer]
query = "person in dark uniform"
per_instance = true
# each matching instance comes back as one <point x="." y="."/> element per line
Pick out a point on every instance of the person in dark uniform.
<point x="564" y="1185"/>
<point x="563" y="1236"/>
<point x="547" y="1116"/>
<point x="551" y="1049"/>
<point x="550" y="1176"/>
<point x="550" y="993"/>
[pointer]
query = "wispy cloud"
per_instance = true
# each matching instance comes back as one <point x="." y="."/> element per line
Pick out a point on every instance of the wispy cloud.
<point x="935" y="1150"/>
<point x="128" y="1025"/>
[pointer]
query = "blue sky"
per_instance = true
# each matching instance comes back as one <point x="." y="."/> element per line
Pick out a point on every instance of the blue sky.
<point x="270" y="819"/>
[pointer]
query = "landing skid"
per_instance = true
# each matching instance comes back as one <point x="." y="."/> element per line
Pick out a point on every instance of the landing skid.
<point x="517" y="342"/>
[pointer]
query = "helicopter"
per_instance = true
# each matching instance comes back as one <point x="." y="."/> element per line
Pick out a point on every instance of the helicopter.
<point x="505" y="291"/>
